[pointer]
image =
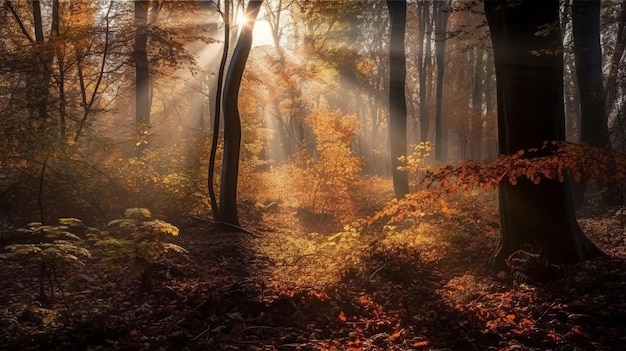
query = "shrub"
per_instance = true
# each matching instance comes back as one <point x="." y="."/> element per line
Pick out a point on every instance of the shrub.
<point x="325" y="177"/>
<point x="48" y="248"/>
<point x="141" y="238"/>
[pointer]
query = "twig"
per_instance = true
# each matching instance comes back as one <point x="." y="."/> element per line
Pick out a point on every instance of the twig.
<point x="208" y="329"/>
<point x="40" y="195"/>
<point x="257" y="327"/>
<point x="376" y="271"/>
<point x="295" y="262"/>
<point x="238" y="228"/>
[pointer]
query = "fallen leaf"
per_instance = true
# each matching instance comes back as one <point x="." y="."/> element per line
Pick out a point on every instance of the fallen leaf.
<point x="423" y="343"/>
<point x="510" y="317"/>
<point x="342" y="317"/>
<point x="397" y="334"/>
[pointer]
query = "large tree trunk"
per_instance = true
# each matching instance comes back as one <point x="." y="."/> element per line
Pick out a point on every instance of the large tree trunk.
<point x="531" y="111"/>
<point x="232" y="122"/>
<point x="397" y="95"/>
<point x="142" y="77"/>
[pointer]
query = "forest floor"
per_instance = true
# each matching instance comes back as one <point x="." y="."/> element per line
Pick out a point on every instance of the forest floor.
<point x="294" y="283"/>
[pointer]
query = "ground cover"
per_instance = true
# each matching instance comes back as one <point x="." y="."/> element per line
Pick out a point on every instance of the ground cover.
<point x="297" y="282"/>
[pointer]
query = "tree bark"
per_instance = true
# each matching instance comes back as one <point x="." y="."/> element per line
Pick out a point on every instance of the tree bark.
<point x="422" y="67"/>
<point x="588" y="59"/>
<point x="41" y="84"/>
<point x="397" y="95"/>
<point x="441" y="24"/>
<point x="531" y="111"/>
<point x="217" y="111"/>
<point x="142" y="76"/>
<point x="616" y="58"/>
<point x="475" y="132"/>
<point x="232" y="122"/>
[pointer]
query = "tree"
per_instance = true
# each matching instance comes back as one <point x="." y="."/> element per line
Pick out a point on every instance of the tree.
<point x="528" y="59"/>
<point x="441" y="24"/>
<point x="217" y="110"/>
<point x="142" y="75"/>
<point x="397" y="95"/>
<point x="422" y="63"/>
<point x="594" y="128"/>
<point x="232" y="123"/>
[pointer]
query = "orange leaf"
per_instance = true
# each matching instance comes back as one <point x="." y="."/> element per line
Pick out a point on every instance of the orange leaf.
<point x="423" y="343"/>
<point x="510" y="317"/>
<point x="342" y="317"/>
<point x="397" y="334"/>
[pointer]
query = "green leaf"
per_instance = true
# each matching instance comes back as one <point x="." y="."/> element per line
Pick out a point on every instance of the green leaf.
<point x="137" y="213"/>
<point x="70" y="222"/>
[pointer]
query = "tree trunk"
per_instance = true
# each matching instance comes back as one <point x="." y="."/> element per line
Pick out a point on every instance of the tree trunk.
<point x="531" y="111"/>
<point x="142" y="77"/>
<point x="616" y="58"/>
<point x="588" y="56"/>
<point x="475" y="120"/>
<point x="397" y="95"/>
<point x="422" y="65"/>
<point x="41" y="84"/>
<point x="232" y="122"/>
<point x="217" y="111"/>
<point x="441" y="25"/>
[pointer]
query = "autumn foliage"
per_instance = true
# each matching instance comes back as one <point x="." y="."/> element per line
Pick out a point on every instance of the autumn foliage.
<point x="553" y="160"/>
<point x="324" y="176"/>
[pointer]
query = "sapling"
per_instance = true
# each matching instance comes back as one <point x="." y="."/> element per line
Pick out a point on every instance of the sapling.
<point x="140" y="237"/>
<point x="48" y="248"/>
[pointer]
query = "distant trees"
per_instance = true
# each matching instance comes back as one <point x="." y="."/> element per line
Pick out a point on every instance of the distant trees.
<point x="528" y="59"/>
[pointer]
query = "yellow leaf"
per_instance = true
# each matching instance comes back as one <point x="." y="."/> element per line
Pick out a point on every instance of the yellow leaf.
<point x="48" y="318"/>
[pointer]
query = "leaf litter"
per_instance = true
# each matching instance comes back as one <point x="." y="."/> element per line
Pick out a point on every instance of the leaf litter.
<point x="418" y="285"/>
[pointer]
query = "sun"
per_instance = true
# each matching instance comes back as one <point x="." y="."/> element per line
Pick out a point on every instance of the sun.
<point x="241" y="18"/>
<point x="262" y="32"/>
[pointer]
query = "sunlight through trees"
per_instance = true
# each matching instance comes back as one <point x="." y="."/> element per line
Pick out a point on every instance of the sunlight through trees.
<point x="357" y="149"/>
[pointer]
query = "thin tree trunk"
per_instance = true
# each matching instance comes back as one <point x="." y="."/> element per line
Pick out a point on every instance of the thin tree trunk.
<point x="41" y="84"/>
<point x="422" y="67"/>
<point x="232" y="122"/>
<point x="142" y="77"/>
<point x="441" y="25"/>
<point x="217" y="111"/>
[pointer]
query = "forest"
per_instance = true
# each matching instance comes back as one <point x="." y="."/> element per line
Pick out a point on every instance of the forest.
<point x="268" y="175"/>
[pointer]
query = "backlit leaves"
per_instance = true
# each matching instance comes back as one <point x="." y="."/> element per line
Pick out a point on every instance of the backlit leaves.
<point x="138" y="237"/>
<point x="326" y="176"/>
<point x="552" y="161"/>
